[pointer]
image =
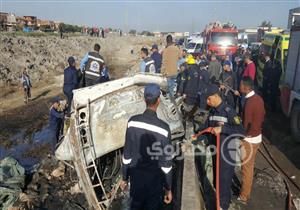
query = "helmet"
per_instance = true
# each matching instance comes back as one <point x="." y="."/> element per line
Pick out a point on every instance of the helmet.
<point x="190" y="59"/>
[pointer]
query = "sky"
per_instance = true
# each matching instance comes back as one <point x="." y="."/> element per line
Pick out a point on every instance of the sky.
<point x="155" y="15"/>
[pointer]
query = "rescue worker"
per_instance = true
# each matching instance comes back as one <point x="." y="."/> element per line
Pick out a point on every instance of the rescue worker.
<point x="274" y="86"/>
<point x="190" y="90"/>
<point x="56" y="122"/>
<point x="26" y="84"/>
<point x="70" y="81"/>
<point x="92" y="66"/>
<point x="228" y="84"/>
<point x="156" y="56"/>
<point x="225" y="122"/>
<point x="146" y="162"/>
<point x="180" y="80"/>
<point x="147" y="64"/>
<point x="203" y="83"/>
<point x="253" y="117"/>
<point x="267" y="77"/>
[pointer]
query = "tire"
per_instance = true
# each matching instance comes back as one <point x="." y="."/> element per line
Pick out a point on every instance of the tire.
<point x="295" y="121"/>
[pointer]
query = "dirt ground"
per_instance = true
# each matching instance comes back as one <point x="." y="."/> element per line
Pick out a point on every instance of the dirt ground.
<point x="23" y="126"/>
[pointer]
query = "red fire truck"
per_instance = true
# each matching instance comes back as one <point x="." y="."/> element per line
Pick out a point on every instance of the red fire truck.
<point x="221" y="38"/>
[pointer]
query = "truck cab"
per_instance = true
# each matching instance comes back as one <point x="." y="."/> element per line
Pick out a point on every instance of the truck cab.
<point x="195" y="46"/>
<point x="290" y="89"/>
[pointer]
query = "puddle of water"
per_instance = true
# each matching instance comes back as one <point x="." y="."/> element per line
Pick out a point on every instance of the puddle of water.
<point x="22" y="146"/>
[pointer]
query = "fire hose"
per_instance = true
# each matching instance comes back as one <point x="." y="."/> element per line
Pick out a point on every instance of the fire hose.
<point x="195" y="136"/>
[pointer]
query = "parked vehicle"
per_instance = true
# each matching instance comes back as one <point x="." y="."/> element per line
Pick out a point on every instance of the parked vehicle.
<point x="290" y="88"/>
<point x="276" y="44"/>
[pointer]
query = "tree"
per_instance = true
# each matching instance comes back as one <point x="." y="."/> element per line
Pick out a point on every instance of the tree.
<point x="147" y="33"/>
<point x="132" y="32"/>
<point x="69" y="28"/>
<point x="266" y="23"/>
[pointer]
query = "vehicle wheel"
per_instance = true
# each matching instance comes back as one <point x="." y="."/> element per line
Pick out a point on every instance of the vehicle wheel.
<point x="295" y="121"/>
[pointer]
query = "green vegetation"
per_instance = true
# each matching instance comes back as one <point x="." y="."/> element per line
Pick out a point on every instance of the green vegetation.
<point x="67" y="28"/>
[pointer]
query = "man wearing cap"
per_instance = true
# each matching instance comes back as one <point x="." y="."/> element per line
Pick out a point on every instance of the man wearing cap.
<point x="203" y="83"/>
<point x="224" y="121"/>
<point x="191" y="80"/>
<point x="147" y="64"/>
<point x="56" y="121"/>
<point x="156" y="56"/>
<point x="228" y="84"/>
<point x="92" y="65"/>
<point x="70" y="81"/>
<point x="147" y="164"/>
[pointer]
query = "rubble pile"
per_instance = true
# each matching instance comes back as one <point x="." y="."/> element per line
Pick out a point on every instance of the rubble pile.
<point x="47" y="55"/>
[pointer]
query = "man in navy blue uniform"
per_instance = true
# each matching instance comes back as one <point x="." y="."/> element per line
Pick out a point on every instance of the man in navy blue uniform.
<point x="92" y="66"/>
<point x="146" y="161"/>
<point x="228" y="78"/>
<point x="70" y="81"/>
<point x="191" y="85"/>
<point x="227" y="123"/>
<point x="157" y="57"/>
<point x="204" y="80"/>
<point x="56" y="122"/>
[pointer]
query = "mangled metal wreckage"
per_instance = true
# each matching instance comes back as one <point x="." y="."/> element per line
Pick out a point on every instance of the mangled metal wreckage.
<point x="96" y="135"/>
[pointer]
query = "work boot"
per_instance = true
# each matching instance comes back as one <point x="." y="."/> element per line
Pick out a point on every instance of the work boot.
<point x="241" y="200"/>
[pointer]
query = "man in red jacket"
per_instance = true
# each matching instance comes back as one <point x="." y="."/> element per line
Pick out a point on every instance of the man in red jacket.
<point x="250" y="69"/>
<point x="253" y="117"/>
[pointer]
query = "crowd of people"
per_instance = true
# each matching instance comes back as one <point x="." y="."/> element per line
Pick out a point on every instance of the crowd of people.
<point x="226" y="88"/>
<point x="92" y="71"/>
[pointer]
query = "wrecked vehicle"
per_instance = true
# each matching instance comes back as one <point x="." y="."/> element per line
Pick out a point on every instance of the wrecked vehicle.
<point x="97" y="129"/>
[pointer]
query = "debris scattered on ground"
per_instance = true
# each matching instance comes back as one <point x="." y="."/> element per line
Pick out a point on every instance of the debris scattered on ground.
<point x="12" y="180"/>
<point x="271" y="179"/>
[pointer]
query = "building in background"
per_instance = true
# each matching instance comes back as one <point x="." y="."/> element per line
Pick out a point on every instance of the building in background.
<point x="294" y="16"/>
<point x="8" y="21"/>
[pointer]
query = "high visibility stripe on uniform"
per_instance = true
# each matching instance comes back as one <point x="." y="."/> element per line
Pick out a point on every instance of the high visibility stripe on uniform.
<point x="126" y="161"/>
<point x="94" y="58"/>
<point x="92" y="73"/>
<point x="166" y="170"/>
<point x="148" y="127"/>
<point x="149" y="62"/>
<point x="218" y="118"/>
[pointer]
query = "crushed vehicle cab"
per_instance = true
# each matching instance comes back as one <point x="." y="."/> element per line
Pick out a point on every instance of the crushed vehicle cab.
<point x="98" y="125"/>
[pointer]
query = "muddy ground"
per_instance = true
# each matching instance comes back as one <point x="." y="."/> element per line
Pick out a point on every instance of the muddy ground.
<point x="23" y="132"/>
<point x="23" y="127"/>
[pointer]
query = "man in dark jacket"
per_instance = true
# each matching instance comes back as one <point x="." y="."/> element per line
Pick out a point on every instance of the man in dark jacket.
<point x="92" y="66"/>
<point x="56" y="122"/>
<point x="70" y="81"/>
<point x="191" y="86"/>
<point x="224" y="121"/>
<point x="146" y="162"/>
<point x="157" y="57"/>
<point x="274" y="84"/>
<point x="228" y="84"/>
<point x="203" y="83"/>
<point x="267" y="75"/>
